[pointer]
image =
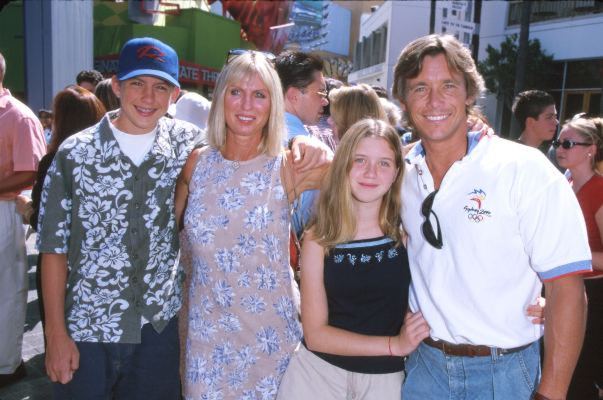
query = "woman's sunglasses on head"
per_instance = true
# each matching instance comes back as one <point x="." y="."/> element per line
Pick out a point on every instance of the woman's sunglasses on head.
<point x="234" y="53"/>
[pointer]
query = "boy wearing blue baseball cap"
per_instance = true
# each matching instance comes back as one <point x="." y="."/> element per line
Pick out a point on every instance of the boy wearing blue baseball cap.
<point x="112" y="281"/>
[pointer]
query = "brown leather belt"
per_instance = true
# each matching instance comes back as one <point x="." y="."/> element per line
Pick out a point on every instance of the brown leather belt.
<point x="469" y="350"/>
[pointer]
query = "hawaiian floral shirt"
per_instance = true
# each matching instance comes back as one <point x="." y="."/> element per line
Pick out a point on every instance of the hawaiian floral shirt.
<point x="116" y="224"/>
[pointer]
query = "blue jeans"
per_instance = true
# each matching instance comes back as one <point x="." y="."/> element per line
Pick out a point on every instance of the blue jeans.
<point x="148" y="370"/>
<point x="430" y="374"/>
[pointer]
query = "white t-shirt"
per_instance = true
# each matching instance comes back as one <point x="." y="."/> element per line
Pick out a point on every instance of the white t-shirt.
<point x="508" y="219"/>
<point x="135" y="147"/>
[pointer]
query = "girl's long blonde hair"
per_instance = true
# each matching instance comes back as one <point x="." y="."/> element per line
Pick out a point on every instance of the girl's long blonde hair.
<point x="335" y="221"/>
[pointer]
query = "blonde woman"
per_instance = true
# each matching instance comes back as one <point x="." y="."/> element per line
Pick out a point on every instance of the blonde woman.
<point x="355" y="277"/>
<point x="579" y="149"/>
<point x="240" y="321"/>
<point x="350" y="104"/>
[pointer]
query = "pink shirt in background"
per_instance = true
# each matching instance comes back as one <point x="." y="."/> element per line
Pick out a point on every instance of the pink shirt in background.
<point x="22" y="143"/>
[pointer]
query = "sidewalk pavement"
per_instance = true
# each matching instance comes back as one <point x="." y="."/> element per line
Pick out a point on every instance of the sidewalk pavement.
<point x="36" y="385"/>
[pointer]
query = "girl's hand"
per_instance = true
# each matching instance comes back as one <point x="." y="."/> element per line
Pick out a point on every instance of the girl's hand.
<point x="536" y="311"/>
<point x="412" y="333"/>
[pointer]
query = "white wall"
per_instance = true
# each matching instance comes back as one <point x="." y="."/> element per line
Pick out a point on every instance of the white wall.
<point x="406" y="21"/>
<point x="373" y="21"/>
<point x="409" y="21"/>
<point x="58" y="45"/>
<point x="338" y="31"/>
<point x="72" y="41"/>
<point x="566" y="39"/>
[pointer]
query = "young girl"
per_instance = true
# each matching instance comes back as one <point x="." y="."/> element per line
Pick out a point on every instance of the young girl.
<point x="355" y="277"/>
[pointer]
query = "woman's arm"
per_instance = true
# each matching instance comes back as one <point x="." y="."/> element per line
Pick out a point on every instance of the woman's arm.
<point x="181" y="194"/>
<point x="297" y="182"/>
<point x="319" y="336"/>
<point x="598" y="255"/>
<point x="36" y="191"/>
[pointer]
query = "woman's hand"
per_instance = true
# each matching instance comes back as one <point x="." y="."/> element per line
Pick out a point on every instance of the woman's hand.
<point x="536" y="311"/>
<point x="412" y="333"/>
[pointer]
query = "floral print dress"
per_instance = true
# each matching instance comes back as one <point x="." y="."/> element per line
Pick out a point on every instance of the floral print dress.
<point x="240" y="320"/>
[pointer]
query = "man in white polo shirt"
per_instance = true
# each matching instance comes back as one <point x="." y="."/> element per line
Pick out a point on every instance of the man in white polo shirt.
<point x="488" y="220"/>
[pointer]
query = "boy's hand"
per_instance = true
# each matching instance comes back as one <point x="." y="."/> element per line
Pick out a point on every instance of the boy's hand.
<point x="62" y="358"/>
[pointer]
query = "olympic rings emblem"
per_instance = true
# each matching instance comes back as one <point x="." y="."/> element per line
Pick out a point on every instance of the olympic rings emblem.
<point x="475" y="217"/>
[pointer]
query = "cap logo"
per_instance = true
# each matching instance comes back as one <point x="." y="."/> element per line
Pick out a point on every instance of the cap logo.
<point x="151" y="52"/>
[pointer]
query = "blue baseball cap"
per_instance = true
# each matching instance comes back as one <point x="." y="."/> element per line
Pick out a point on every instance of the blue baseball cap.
<point x="148" y="56"/>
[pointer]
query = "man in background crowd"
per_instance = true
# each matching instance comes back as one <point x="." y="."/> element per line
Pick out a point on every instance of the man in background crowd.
<point x="537" y="116"/>
<point x="88" y="79"/>
<point x="45" y="117"/>
<point x="22" y="146"/>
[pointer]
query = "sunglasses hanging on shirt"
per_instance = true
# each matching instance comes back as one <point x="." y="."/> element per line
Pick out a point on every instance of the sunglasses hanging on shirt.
<point x="433" y="238"/>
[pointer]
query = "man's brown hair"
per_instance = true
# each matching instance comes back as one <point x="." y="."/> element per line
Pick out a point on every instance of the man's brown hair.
<point x="458" y="57"/>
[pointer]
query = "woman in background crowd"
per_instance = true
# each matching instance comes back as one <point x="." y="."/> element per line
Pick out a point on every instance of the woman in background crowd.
<point x="579" y="149"/>
<point x="105" y="93"/>
<point x="74" y="109"/>
<point x="350" y="104"/>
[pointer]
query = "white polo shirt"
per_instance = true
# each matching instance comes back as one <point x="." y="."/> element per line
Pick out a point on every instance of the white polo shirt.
<point x="508" y="219"/>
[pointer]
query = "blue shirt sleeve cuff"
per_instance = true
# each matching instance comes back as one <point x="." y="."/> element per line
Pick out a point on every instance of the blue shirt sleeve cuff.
<point x="567" y="269"/>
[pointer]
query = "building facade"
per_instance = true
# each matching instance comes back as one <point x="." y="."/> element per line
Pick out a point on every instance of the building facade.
<point x="570" y="31"/>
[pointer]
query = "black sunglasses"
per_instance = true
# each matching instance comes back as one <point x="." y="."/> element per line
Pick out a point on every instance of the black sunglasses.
<point x="426" y="209"/>
<point x="234" y="53"/>
<point x="568" y="144"/>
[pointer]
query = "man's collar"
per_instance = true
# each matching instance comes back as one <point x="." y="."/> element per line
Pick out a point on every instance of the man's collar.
<point x="417" y="153"/>
<point x="295" y="124"/>
<point x="293" y="118"/>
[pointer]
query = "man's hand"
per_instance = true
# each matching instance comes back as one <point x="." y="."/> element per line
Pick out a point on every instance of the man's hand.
<point x="62" y="358"/>
<point x="24" y="208"/>
<point x="309" y="153"/>
<point x="475" y="124"/>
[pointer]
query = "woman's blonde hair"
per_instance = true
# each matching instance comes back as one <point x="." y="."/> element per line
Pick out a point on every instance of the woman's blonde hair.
<point x="243" y="67"/>
<point x="392" y="111"/>
<point x="350" y="104"/>
<point x="590" y="129"/>
<point x="335" y="221"/>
